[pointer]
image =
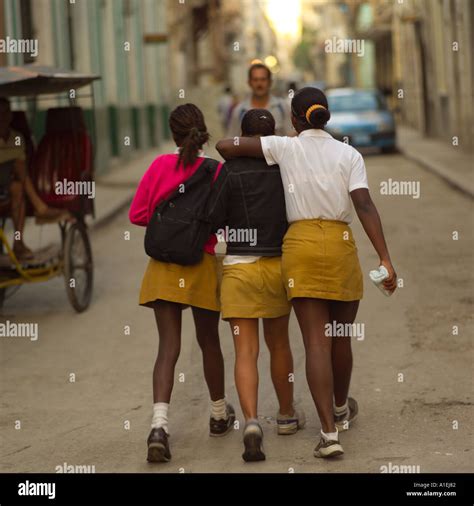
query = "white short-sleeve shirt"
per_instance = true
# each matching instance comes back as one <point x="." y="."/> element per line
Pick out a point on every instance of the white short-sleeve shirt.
<point x="318" y="174"/>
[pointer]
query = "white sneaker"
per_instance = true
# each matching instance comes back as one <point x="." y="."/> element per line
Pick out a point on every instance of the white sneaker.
<point x="328" y="448"/>
<point x="344" y="421"/>
<point x="290" y="424"/>
<point x="253" y="442"/>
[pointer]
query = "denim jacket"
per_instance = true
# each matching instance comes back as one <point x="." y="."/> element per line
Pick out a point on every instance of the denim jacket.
<point x="248" y="205"/>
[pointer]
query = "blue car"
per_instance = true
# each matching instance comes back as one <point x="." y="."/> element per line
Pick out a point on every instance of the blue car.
<point x="361" y="118"/>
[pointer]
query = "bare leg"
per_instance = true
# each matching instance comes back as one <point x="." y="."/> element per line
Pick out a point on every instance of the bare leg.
<point x="313" y="315"/>
<point x="22" y="176"/>
<point x="168" y="320"/>
<point x="207" y="335"/>
<point x="41" y="209"/>
<point x="245" y="334"/>
<point x="342" y="312"/>
<point x="18" y="210"/>
<point x="18" y="207"/>
<point x="281" y="360"/>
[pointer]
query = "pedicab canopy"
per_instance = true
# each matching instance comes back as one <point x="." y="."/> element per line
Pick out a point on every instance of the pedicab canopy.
<point x="30" y="80"/>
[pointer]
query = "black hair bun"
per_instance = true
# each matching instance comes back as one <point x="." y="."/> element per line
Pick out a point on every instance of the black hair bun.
<point x="199" y="137"/>
<point x="319" y="117"/>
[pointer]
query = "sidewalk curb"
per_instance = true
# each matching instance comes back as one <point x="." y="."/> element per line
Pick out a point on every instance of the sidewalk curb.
<point x="125" y="176"/>
<point x="104" y="220"/>
<point x="439" y="171"/>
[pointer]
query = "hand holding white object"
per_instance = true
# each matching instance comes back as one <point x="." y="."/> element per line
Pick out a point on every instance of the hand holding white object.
<point x="378" y="276"/>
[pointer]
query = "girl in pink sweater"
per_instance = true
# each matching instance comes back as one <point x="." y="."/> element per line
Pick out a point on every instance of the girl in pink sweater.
<point x="169" y="288"/>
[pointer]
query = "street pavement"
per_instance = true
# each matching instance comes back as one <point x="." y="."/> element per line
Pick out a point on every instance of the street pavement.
<point x="412" y="377"/>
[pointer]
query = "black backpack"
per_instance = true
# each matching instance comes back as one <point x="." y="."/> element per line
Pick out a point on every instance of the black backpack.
<point x="179" y="227"/>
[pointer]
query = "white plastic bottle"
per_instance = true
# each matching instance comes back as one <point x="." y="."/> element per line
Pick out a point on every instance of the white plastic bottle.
<point x="378" y="276"/>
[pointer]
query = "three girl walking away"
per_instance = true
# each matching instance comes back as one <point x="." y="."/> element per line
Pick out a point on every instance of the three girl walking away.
<point x="320" y="266"/>
<point x="168" y="288"/>
<point x="283" y="205"/>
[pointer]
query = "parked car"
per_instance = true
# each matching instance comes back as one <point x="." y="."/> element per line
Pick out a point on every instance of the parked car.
<point x="361" y="118"/>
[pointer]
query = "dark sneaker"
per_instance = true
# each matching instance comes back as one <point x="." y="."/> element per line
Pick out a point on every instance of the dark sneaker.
<point x="344" y="421"/>
<point x="253" y="442"/>
<point x="221" y="427"/>
<point x="328" y="448"/>
<point x="287" y="425"/>
<point x="158" y="446"/>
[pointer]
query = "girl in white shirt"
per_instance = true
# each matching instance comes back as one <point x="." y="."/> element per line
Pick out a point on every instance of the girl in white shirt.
<point x="320" y="266"/>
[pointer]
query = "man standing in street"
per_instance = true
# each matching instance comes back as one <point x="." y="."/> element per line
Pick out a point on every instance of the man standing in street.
<point x="260" y="81"/>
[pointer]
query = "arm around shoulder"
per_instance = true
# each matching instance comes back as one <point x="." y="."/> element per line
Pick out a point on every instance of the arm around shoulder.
<point x="240" y="146"/>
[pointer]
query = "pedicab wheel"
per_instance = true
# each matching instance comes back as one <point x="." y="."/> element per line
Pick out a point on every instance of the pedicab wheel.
<point x="3" y="292"/>
<point x="78" y="266"/>
<point x="6" y="275"/>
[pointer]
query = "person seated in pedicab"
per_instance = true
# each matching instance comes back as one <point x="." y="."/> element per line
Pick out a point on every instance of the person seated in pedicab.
<point x="20" y="186"/>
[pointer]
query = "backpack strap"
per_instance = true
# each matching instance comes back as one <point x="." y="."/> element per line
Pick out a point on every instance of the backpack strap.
<point x="210" y="165"/>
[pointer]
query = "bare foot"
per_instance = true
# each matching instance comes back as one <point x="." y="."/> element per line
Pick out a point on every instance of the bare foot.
<point x="53" y="215"/>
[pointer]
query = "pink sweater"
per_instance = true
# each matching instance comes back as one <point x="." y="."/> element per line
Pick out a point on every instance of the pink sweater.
<point x="158" y="183"/>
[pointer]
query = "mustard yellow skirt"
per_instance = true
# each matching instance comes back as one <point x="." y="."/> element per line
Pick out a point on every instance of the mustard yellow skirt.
<point x="320" y="261"/>
<point x="190" y="285"/>
<point x="254" y="290"/>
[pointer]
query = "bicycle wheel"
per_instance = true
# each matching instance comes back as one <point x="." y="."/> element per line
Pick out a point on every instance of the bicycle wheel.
<point x="78" y="266"/>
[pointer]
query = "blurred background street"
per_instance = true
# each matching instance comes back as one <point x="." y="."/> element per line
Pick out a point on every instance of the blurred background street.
<point x="154" y="54"/>
<point x="407" y="70"/>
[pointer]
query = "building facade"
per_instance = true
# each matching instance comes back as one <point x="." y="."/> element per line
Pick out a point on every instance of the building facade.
<point x="213" y="42"/>
<point x="423" y="55"/>
<point x="248" y="36"/>
<point x="433" y="44"/>
<point x="333" y="57"/>
<point x="124" y="41"/>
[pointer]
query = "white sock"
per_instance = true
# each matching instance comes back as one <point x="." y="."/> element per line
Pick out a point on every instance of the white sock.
<point x="330" y="436"/>
<point x="342" y="409"/>
<point x="218" y="409"/>
<point x="160" y="416"/>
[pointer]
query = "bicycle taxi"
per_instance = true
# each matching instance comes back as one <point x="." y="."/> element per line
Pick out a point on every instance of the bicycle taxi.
<point x="63" y="156"/>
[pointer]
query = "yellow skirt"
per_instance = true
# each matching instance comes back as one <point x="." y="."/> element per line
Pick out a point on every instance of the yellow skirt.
<point x="190" y="285"/>
<point x="320" y="261"/>
<point x="254" y="290"/>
